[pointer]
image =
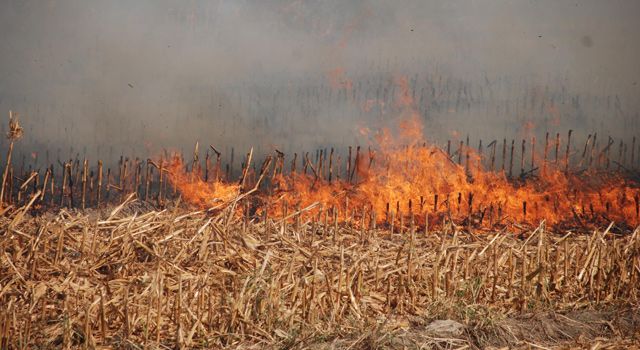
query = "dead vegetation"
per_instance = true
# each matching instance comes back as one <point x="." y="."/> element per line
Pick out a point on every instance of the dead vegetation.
<point x="134" y="277"/>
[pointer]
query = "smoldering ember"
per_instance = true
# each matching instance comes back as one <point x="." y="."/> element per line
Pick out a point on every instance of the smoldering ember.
<point x="296" y="174"/>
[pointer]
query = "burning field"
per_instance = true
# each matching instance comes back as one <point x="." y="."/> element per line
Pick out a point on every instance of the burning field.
<point x="370" y="250"/>
<point x="296" y="174"/>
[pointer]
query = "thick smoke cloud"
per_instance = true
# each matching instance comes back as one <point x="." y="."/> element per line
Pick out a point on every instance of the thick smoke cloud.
<point x="101" y="78"/>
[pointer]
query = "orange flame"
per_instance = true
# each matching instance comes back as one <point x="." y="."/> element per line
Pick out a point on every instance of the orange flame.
<point x="195" y="190"/>
<point x="403" y="176"/>
<point x="418" y="173"/>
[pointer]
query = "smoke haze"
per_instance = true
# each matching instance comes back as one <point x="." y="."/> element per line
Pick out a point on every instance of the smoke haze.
<point x="105" y="77"/>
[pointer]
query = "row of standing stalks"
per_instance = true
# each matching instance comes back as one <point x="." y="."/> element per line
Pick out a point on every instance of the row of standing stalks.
<point x="76" y="184"/>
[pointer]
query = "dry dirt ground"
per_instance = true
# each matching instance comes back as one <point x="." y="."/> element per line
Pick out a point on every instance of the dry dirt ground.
<point x="582" y="329"/>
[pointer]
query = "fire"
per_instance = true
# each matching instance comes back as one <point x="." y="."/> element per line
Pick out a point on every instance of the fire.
<point x="403" y="176"/>
<point x="421" y="180"/>
<point x="198" y="192"/>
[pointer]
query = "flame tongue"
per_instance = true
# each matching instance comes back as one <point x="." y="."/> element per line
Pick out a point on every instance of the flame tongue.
<point x="407" y="177"/>
<point x="409" y="180"/>
<point x="196" y="191"/>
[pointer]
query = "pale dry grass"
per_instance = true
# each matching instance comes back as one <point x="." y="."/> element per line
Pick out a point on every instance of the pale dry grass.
<point x="134" y="277"/>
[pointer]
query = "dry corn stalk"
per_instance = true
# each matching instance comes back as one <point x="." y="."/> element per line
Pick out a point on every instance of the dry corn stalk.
<point x="15" y="133"/>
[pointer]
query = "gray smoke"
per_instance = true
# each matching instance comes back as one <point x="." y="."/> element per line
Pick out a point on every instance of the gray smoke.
<point x="102" y="78"/>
